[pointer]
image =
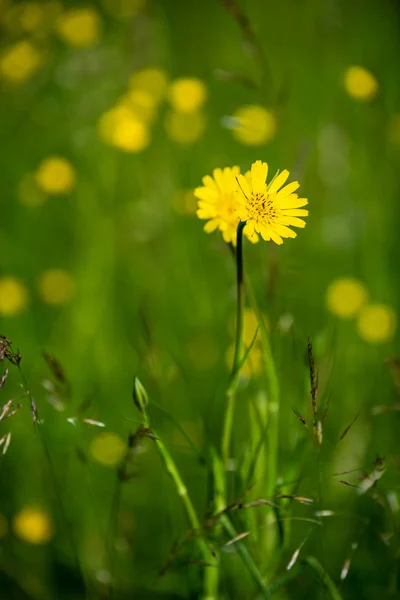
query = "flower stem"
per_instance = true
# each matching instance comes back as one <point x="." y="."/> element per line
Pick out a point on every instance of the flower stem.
<point x="231" y="390"/>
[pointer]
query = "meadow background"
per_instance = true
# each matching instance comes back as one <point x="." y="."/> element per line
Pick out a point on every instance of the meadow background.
<point x="110" y="115"/>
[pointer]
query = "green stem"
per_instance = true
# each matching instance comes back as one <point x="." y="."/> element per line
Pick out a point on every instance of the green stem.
<point x="181" y="490"/>
<point x="231" y="391"/>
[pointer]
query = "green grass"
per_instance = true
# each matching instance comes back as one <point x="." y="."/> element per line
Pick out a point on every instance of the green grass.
<point x="154" y="299"/>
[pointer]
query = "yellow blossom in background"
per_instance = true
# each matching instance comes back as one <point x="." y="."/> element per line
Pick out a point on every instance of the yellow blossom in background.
<point x="185" y="128"/>
<point x="120" y="128"/>
<point x="33" y="525"/>
<point x="250" y="325"/>
<point x="31" y="16"/>
<point x="254" y="125"/>
<point x="108" y="449"/>
<point x="20" y="62"/>
<point x="124" y="9"/>
<point x="360" y="84"/>
<point x="55" y="175"/>
<point x="187" y="94"/>
<point x="14" y="297"/>
<point x="184" y="202"/>
<point x="254" y="362"/>
<point x="345" y="297"/>
<point x="376" y="323"/>
<point x="268" y="209"/>
<point x="29" y="193"/>
<point x="151" y="80"/>
<point x="217" y="204"/>
<point x="3" y="527"/>
<point x="142" y="104"/>
<point x="79" y="27"/>
<point x="56" y="286"/>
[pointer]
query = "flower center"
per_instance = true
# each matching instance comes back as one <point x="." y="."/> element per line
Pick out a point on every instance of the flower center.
<point x="262" y="207"/>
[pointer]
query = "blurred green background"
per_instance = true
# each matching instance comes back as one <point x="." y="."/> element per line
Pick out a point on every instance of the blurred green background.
<point x="110" y="115"/>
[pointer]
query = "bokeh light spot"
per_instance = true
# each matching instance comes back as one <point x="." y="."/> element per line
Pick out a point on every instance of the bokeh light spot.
<point x="14" y="296"/>
<point x="55" y="175"/>
<point x="187" y="94"/>
<point x="253" y="125"/>
<point x="108" y="449"/>
<point x="33" y="525"/>
<point x="185" y="128"/>
<point x="152" y="80"/>
<point x="345" y="297"/>
<point x="56" y="286"/>
<point x="20" y="62"/>
<point x="80" y="27"/>
<point x="360" y="83"/>
<point x="376" y="323"/>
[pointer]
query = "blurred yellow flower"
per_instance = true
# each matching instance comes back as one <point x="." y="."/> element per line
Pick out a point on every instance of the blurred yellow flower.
<point x="56" y="286"/>
<point x="250" y="325"/>
<point x="3" y="526"/>
<point x="31" y="16"/>
<point x="151" y="80"/>
<point x="79" y="27"/>
<point x="29" y="193"/>
<point x="14" y="297"/>
<point x="255" y="125"/>
<point x="124" y="9"/>
<point x="20" y="62"/>
<point x="254" y="363"/>
<point x="345" y="297"/>
<point x="217" y="204"/>
<point x="184" y="202"/>
<point x="33" y="525"/>
<point x="142" y="104"/>
<point x="187" y="94"/>
<point x="108" y="449"/>
<point x="55" y="175"/>
<point x="120" y="128"/>
<point x="185" y="128"/>
<point x="360" y="84"/>
<point x="267" y="209"/>
<point x="376" y="323"/>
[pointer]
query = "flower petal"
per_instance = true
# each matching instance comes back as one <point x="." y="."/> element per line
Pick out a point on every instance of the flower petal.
<point x="243" y="188"/>
<point x="210" y="183"/>
<point x="205" y="193"/>
<point x="276" y="238"/>
<point x="249" y="228"/>
<point x="288" y="189"/>
<point x="259" y="173"/>
<point x="284" y="231"/>
<point x="211" y="225"/>
<point x="278" y="181"/>
<point x="294" y="221"/>
<point x="291" y="201"/>
<point x="294" y="212"/>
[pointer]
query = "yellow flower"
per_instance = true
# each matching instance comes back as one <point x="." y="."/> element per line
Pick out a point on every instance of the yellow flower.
<point x="124" y="9"/>
<point x="55" y="175"/>
<point x="254" y="363"/>
<point x="33" y="525"/>
<point x="56" y="286"/>
<point x="80" y="27"/>
<point x="142" y="104"/>
<point x="360" y="84"/>
<point x="152" y="80"/>
<point x="187" y="94"/>
<point x="217" y="203"/>
<point x="121" y="128"/>
<point x="14" y="297"/>
<point x="108" y="449"/>
<point x="345" y="297"/>
<point x="267" y="209"/>
<point x="20" y="62"/>
<point x="255" y="125"/>
<point x="376" y="323"/>
<point x="185" y="128"/>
